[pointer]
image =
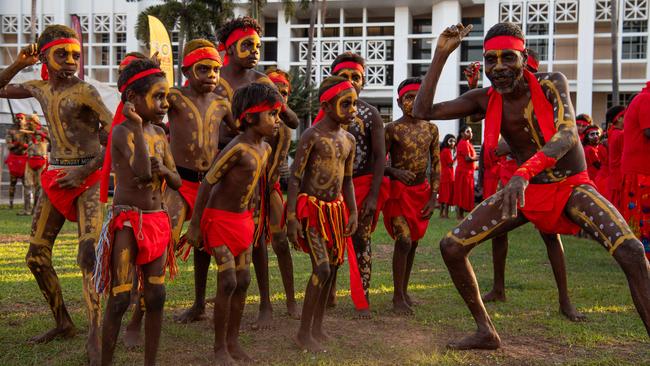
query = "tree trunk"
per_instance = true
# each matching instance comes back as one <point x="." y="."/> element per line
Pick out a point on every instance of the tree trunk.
<point x="33" y="25"/>
<point x="313" y="14"/>
<point x="179" y="61"/>
<point x="615" y="60"/>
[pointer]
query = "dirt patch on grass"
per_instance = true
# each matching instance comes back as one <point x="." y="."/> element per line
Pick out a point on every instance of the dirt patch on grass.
<point x="13" y="238"/>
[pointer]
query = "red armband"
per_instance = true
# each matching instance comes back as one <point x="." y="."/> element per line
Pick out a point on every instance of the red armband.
<point x="535" y="165"/>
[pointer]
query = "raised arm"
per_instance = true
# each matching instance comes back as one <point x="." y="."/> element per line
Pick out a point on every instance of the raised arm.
<point x="465" y="105"/>
<point x="28" y="56"/>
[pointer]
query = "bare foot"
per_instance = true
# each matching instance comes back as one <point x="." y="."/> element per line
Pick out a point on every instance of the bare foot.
<point x="132" y="338"/>
<point x="364" y="314"/>
<point x="477" y="341"/>
<point x="331" y="301"/>
<point x="402" y="308"/>
<point x="571" y="313"/>
<point x="67" y="331"/>
<point x="223" y="358"/>
<point x="93" y="348"/>
<point x="307" y="343"/>
<point x="263" y="319"/>
<point x="293" y="310"/>
<point x="320" y="336"/>
<point x="237" y="352"/>
<point x="411" y="301"/>
<point x="494" y="296"/>
<point x="193" y="314"/>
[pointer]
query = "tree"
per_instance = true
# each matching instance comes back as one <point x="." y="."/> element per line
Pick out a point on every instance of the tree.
<point x="195" y="19"/>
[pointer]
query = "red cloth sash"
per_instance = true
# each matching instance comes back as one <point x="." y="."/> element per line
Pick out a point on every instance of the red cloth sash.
<point x="408" y="202"/>
<point x="545" y="204"/>
<point x="362" y="185"/>
<point x="152" y="232"/>
<point x="189" y="191"/>
<point x="36" y="162"/>
<point x="330" y="219"/>
<point x="232" y="229"/>
<point x="16" y="164"/>
<point x="541" y="106"/>
<point x="64" y="199"/>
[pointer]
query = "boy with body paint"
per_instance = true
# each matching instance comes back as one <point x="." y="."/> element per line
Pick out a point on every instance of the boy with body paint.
<point x="77" y="120"/>
<point x="17" y="139"/>
<point x="36" y="156"/>
<point x="321" y="208"/>
<point x="370" y="185"/>
<point x="414" y="148"/>
<point x="137" y="235"/>
<point x="223" y="220"/>
<point x="550" y="188"/>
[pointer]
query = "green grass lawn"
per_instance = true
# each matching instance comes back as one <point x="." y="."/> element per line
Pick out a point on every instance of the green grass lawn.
<point x="531" y="328"/>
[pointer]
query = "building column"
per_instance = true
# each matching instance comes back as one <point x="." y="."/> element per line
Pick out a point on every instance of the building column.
<point x="491" y="18"/>
<point x="446" y="13"/>
<point x="284" y="42"/>
<point x="584" y="90"/>
<point x="401" y="52"/>
<point x="132" y="11"/>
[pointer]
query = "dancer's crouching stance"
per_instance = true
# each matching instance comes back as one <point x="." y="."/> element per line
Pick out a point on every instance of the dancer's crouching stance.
<point x="534" y="115"/>
<point x="222" y="218"/>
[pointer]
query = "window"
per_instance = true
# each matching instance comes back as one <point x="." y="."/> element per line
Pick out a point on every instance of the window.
<point x="635" y="26"/>
<point x="471" y="50"/>
<point x="120" y="51"/>
<point x="635" y="48"/>
<point x="421" y="49"/>
<point x="120" y="37"/>
<point x="477" y="30"/>
<point x="270" y="51"/>
<point x="422" y="26"/>
<point x="540" y="46"/>
<point x="270" y="29"/>
<point x="623" y="99"/>
<point x="105" y="54"/>
<point x="418" y="70"/>
<point x="537" y="29"/>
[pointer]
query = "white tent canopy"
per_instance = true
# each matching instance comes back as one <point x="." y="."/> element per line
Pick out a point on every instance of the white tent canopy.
<point x="109" y="94"/>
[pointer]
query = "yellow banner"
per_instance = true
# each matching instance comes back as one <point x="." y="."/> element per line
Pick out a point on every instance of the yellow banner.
<point x="159" y="42"/>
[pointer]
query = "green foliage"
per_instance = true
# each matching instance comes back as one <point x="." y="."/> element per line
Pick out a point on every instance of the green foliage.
<point x="298" y="100"/>
<point x="195" y="18"/>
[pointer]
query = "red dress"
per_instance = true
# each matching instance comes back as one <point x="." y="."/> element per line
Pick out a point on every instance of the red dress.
<point x="602" y="178"/>
<point x="593" y="161"/>
<point x="446" y="190"/>
<point x="615" y="174"/>
<point x="464" y="179"/>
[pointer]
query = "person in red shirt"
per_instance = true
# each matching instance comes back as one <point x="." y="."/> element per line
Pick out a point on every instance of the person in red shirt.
<point x="583" y="121"/>
<point x="635" y="169"/>
<point x="446" y="190"/>
<point x="464" y="178"/>
<point x="602" y="177"/>
<point x="615" y="142"/>
<point x="590" y="142"/>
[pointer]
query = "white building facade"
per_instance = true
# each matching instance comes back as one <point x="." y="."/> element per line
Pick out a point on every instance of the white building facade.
<point x="395" y="37"/>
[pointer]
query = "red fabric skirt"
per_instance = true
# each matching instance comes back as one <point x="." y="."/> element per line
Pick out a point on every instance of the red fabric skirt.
<point x="36" y="162"/>
<point x="636" y="206"/>
<point x="545" y="203"/>
<point x="446" y="192"/>
<point x="330" y="219"/>
<point x="16" y="164"/>
<point x="64" y="199"/>
<point x="464" y="190"/>
<point x="408" y="202"/>
<point x="362" y="185"/>
<point x="232" y="229"/>
<point x="189" y="191"/>
<point x="152" y="232"/>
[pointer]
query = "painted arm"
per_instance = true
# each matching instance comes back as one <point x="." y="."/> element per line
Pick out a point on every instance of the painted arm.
<point x="28" y="56"/>
<point x="465" y="105"/>
<point x="168" y="168"/>
<point x="369" y="205"/>
<point x="132" y="145"/>
<point x="434" y="179"/>
<point x="279" y="154"/>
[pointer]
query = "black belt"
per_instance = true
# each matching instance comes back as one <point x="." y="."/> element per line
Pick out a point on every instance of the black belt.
<point x="189" y="174"/>
<point x="70" y="162"/>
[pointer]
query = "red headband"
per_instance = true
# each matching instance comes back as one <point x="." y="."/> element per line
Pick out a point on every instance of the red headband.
<point x="127" y="60"/>
<point x="504" y="43"/>
<point x="408" y="88"/>
<point x="278" y="78"/>
<point x="329" y="94"/>
<point x="532" y="63"/>
<point x="258" y="108"/>
<point x="348" y="65"/>
<point x="583" y="122"/>
<point x="203" y="53"/>
<point x="58" y="42"/>
<point x="139" y="76"/>
<point x="18" y="115"/>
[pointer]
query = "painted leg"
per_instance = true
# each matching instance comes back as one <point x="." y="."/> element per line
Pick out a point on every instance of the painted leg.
<point x="261" y="264"/>
<point x="363" y="251"/>
<point x="407" y="277"/>
<point x="400" y="259"/>
<point x="132" y="337"/>
<point x="281" y="248"/>
<point x="27" y="200"/>
<point x="317" y="331"/>
<point x="13" y="181"/>
<point x="237" y="303"/>
<point x="46" y="224"/>
<point x="226" y="284"/>
<point x="499" y="254"/>
<point x="154" y="300"/>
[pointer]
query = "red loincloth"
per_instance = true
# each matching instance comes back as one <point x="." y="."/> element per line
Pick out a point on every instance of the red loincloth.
<point x="278" y="189"/>
<point x="152" y="231"/>
<point x="362" y="185"/>
<point x="64" y="199"/>
<point x="189" y="190"/>
<point x="545" y="203"/>
<point x="16" y="164"/>
<point x="602" y="178"/>
<point x="408" y="202"/>
<point x="330" y="219"/>
<point x="446" y="189"/>
<point x="232" y="229"/>
<point x="36" y="162"/>
<point x="592" y="158"/>
<point x="636" y="206"/>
